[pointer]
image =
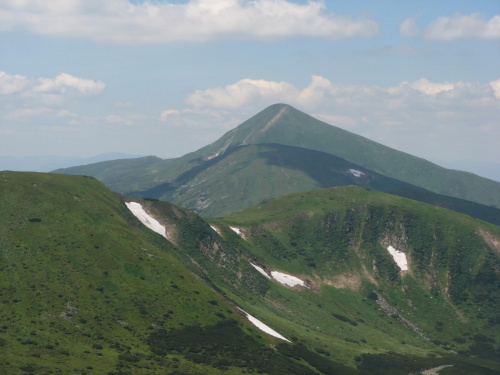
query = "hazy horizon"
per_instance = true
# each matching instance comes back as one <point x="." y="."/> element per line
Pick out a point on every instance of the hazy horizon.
<point x="168" y="77"/>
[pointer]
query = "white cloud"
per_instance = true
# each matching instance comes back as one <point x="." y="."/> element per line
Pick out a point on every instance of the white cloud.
<point x="168" y="112"/>
<point x="10" y="84"/>
<point x="119" y="21"/>
<point x="431" y="88"/>
<point x="63" y="84"/>
<point x="66" y="82"/>
<point x="242" y="92"/>
<point x="321" y="92"/>
<point x="26" y="100"/>
<point x="495" y="85"/>
<point x="463" y="26"/>
<point x="408" y="28"/>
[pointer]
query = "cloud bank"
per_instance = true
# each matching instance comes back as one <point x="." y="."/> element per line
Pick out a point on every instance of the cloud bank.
<point x="418" y="116"/>
<point x="63" y="84"/>
<point x="321" y="92"/>
<point x="23" y="98"/>
<point x="456" y="27"/>
<point x="463" y="27"/>
<point x="119" y="21"/>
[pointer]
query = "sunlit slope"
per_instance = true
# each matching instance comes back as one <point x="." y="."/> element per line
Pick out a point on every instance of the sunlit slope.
<point x="339" y="237"/>
<point x="357" y="308"/>
<point x="85" y="287"/>
<point x="336" y="240"/>
<point x="121" y="175"/>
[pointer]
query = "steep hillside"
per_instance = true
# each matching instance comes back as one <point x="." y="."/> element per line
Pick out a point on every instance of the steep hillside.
<point x="354" y="306"/>
<point x="351" y="303"/>
<point x="283" y="124"/>
<point x="337" y="241"/>
<point x="86" y="288"/>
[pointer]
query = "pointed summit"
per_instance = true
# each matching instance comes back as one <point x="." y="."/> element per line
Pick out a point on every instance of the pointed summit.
<point x="283" y="125"/>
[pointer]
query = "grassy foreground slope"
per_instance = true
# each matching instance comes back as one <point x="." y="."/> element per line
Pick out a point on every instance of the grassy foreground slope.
<point x="86" y="288"/>
<point x="358" y="309"/>
<point x="336" y="240"/>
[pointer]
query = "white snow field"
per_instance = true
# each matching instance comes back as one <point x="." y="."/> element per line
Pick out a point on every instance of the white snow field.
<point x="399" y="258"/>
<point x="237" y="230"/>
<point x="214" y="228"/>
<point x="261" y="270"/>
<point x="263" y="327"/>
<point x="356" y="173"/>
<point x="285" y="279"/>
<point x="147" y="220"/>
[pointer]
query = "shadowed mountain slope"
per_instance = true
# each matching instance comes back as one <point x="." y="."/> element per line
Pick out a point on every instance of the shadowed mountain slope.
<point x="283" y="124"/>
<point x="246" y="175"/>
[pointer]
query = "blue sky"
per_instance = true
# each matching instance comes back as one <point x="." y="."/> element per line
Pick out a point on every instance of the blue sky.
<point x="84" y="77"/>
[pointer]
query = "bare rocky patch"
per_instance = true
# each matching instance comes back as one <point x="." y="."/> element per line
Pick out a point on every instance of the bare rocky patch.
<point x="435" y="370"/>
<point x="393" y="312"/>
<point x="344" y="281"/>
<point x="491" y="240"/>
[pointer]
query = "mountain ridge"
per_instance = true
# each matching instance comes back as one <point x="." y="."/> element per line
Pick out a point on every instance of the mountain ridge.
<point x="284" y="125"/>
<point x="289" y="169"/>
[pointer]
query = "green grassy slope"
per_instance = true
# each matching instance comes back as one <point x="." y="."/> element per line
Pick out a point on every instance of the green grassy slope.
<point x="336" y="240"/>
<point x="86" y="288"/>
<point x="117" y="174"/>
<point x="246" y="175"/>
<point x="359" y="310"/>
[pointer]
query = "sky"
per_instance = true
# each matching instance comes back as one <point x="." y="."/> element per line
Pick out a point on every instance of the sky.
<point x="85" y="77"/>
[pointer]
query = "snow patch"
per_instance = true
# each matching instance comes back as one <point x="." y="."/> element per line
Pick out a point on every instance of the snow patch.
<point x="147" y="220"/>
<point x="356" y="173"/>
<point x="214" y="228"/>
<point x="263" y="327"/>
<point x="399" y="258"/>
<point x="237" y="230"/>
<point x="285" y="279"/>
<point x="261" y="270"/>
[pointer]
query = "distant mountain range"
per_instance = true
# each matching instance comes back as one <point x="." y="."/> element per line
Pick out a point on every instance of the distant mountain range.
<point x="342" y="280"/>
<point x="282" y="150"/>
<point x="47" y="163"/>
